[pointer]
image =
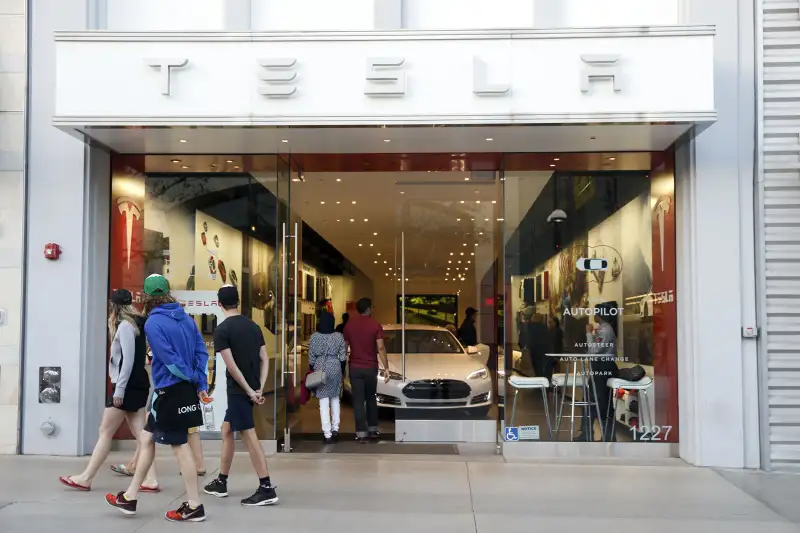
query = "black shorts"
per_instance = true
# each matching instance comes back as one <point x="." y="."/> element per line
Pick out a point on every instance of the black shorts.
<point x="169" y="437"/>
<point x="240" y="413"/>
<point x="133" y="400"/>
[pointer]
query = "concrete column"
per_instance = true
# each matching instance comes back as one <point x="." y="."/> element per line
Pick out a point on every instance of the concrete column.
<point x="13" y="53"/>
<point x="67" y="204"/>
<point x="718" y="369"/>
<point x="238" y="15"/>
<point x="388" y="14"/>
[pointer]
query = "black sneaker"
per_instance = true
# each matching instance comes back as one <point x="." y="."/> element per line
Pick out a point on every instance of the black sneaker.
<point x="374" y="435"/>
<point x="327" y="440"/>
<point x="361" y="439"/>
<point x="217" y="488"/>
<point x="263" y="496"/>
<point x="184" y="513"/>
<point x="127" y="507"/>
<point x="335" y="436"/>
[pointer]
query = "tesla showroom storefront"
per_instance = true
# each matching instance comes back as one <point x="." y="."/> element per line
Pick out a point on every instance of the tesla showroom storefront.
<point x="506" y="199"/>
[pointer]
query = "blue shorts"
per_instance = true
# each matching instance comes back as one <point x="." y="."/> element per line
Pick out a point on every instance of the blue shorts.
<point x="240" y="413"/>
<point x="169" y="437"/>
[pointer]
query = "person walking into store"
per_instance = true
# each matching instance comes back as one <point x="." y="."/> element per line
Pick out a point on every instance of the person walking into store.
<point x="130" y="387"/>
<point x="364" y="336"/>
<point x="467" y="333"/>
<point x="241" y="344"/>
<point x="326" y="353"/>
<point x="179" y="379"/>
<point x="601" y="339"/>
<point x="343" y="323"/>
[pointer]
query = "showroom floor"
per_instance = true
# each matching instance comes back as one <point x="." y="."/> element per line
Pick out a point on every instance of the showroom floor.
<point x="348" y="493"/>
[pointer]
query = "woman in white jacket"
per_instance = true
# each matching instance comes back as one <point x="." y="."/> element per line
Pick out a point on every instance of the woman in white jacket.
<point x="130" y="387"/>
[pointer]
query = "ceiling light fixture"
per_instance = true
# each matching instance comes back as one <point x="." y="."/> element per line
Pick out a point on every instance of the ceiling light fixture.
<point x="184" y="166"/>
<point x="229" y="161"/>
<point x="337" y="203"/>
<point x="339" y="180"/>
<point x="387" y="141"/>
<point x="184" y="140"/>
<point x="366" y="220"/>
<point x="253" y="228"/>
<point x="353" y="202"/>
<point x="375" y="234"/>
<point x="552" y="166"/>
<point x="235" y="167"/>
<point x="489" y="139"/>
<point x="176" y="160"/>
<point x="352" y="220"/>
<point x="371" y="244"/>
<point x="323" y="203"/>
<point x="556" y="159"/>
<point x="612" y="158"/>
<point x="359" y="244"/>
<point x="284" y="140"/>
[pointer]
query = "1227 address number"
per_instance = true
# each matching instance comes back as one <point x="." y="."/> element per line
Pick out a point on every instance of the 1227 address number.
<point x="651" y="433"/>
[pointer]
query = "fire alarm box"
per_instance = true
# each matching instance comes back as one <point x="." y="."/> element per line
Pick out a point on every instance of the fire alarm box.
<point x="52" y="251"/>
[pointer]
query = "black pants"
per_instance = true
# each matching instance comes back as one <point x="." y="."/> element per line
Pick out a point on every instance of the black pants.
<point x="364" y="382"/>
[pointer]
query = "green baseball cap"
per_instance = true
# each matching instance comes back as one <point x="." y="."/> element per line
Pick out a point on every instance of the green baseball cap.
<point x="156" y="285"/>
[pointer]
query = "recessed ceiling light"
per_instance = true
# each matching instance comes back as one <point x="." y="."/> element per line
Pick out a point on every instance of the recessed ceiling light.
<point x="387" y="141"/>
<point x="466" y="179"/>
<point x="494" y="201"/>
<point x="366" y="220"/>
<point x="379" y="253"/>
<point x="486" y="220"/>
<point x="387" y="273"/>
<point x="462" y="253"/>
<point x="612" y="158"/>
<point x="352" y="220"/>
<point x="235" y="167"/>
<point x="406" y="279"/>
<point x="465" y="244"/>
<point x="389" y="267"/>
<point x="284" y="140"/>
<point x="338" y="220"/>
<point x="500" y="219"/>
<point x="473" y="253"/>
<point x="477" y="201"/>
<point x="556" y="159"/>
<point x="323" y="203"/>
<point x="253" y="228"/>
<point x="489" y="139"/>
<point x="184" y="140"/>
<point x="229" y="161"/>
<point x="451" y="253"/>
<point x="176" y="160"/>
<point x="470" y="262"/>
<point x="184" y="166"/>
<point x="375" y="234"/>
<point x="448" y="268"/>
<point x="458" y="220"/>
<point x="337" y="203"/>
<point x="450" y="262"/>
<point x="376" y="262"/>
<point x="403" y="192"/>
<point x="339" y="179"/>
<point x="371" y="244"/>
<point x="552" y="166"/>
<point x="353" y="202"/>
<point x="360" y="244"/>
<point x="480" y="233"/>
<point x="462" y="201"/>
<point x="385" y="263"/>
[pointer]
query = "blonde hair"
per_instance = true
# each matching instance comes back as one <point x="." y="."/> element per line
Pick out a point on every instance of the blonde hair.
<point x="120" y="313"/>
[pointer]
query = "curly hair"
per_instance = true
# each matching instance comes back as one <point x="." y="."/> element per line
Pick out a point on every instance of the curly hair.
<point x="151" y="302"/>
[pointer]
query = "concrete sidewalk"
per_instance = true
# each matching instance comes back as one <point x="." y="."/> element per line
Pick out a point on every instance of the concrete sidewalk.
<point x="406" y="494"/>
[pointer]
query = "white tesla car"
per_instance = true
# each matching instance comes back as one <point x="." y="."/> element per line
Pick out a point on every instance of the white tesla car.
<point x="439" y="374"/>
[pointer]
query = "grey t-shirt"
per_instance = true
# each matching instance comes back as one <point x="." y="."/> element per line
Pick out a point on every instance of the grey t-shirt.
<point x="119" y="367"/>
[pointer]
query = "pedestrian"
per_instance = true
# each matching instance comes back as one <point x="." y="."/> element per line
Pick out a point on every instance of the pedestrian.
<point x="364" y="336"/>
<point x="343" y="323"/>
<point x="179" y="379"/>
<point x="241" y="343"/>
<point x="467" y="333"/>
<point x="130" y="387"/>
<point x="326" y="352"/>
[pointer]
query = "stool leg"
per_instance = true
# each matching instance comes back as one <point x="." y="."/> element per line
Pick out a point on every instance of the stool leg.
<point x="645" y="404"/>
<point x="547" y="413"/>
<point x="572" y="407"/>
<point x="611" y="418"/>
<point x="514" y="407"/>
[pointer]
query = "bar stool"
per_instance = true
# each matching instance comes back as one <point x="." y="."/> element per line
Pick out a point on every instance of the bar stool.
<point x="642" y="386"/>
<point x="575" y="379"/>
<point x="522" y="382"/>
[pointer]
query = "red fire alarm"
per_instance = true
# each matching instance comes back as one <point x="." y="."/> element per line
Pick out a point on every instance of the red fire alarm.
<point x="52" y="251"/>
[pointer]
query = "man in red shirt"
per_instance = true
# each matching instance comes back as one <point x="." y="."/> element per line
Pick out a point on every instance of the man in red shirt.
<point x="365" y="337"/>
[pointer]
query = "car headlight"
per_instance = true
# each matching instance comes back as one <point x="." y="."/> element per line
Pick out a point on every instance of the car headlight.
<point x="392" y="375"/>
<point x="479" y="374"/>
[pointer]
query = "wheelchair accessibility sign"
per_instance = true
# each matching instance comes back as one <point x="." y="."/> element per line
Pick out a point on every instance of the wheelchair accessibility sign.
<point x="512" y="434"/>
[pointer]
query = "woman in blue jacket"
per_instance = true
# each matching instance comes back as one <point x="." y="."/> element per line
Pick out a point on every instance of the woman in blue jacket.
<point x="179" y="379"/>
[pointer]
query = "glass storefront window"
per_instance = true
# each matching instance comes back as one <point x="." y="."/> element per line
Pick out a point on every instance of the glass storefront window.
<point x="590" y="299"/>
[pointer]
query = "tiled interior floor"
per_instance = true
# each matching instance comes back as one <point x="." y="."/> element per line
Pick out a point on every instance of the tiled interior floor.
<point x="350" y="493"/>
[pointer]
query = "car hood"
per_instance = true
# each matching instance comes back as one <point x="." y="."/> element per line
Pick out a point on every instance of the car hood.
<point x="435" y="366"/>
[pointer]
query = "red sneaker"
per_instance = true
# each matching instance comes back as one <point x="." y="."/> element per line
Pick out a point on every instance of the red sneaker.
<point x="127" y="507"/>
<point x="184" y="513"/>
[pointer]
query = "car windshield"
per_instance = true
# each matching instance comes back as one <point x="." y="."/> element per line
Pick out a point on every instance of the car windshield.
<point x="421" y="341"/>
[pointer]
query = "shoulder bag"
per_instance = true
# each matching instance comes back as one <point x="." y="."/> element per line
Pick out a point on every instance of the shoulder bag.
<point x="177" y="407"/>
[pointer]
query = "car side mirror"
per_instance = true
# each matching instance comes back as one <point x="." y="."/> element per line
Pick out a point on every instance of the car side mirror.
<point x="473" y="350"/>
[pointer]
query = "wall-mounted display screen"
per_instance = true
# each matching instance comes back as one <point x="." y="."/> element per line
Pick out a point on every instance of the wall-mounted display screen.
<point x="429" y="309"/>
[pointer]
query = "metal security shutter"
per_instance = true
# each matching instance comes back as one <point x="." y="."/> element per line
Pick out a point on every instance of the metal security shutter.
<point x="781" y="229"/>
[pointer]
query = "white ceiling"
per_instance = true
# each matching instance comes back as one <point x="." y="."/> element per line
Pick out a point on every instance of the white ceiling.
<point x="444" y="218"/>
<point x="417" y="139"/>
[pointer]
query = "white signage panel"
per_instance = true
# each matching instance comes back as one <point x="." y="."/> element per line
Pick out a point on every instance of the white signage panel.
<point x="382" y="80"/>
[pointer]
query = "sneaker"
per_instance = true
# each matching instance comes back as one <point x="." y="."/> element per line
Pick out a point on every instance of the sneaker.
<point x="127" y="507"/>
<point x="263" y="496"/>
<point x="184" y="513"/>
<point x="327" y="440"/>
<point x="374" y="435"/>
<point x="217" y="488"/>
<point x="335" y="436"/>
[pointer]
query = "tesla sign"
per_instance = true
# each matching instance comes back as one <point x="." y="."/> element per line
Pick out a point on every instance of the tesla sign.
<point x="386" y="76"/>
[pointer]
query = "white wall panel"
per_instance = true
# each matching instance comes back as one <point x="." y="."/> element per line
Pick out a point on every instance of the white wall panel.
<point x="467" y="14"/>
<point x="594" y="13"/>
<point x="310" y="15"/>
<point x="157" y="15"/>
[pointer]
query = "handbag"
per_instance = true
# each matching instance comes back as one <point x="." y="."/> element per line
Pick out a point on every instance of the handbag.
<point x="177" y="407"/>
<point x="315" y="379"/>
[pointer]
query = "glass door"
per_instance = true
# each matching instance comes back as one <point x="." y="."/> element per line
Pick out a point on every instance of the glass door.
<point x="443" y="347"/>
<point x="287" y="270"/>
